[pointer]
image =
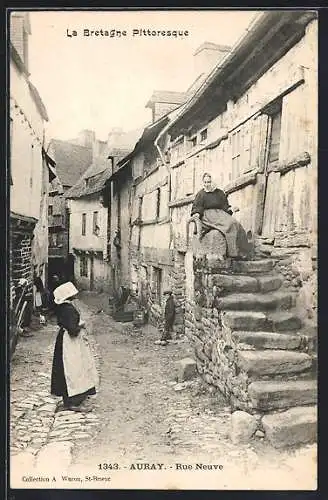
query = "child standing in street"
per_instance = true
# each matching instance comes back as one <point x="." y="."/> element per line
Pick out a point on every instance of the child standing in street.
<point x="169" y="317"/>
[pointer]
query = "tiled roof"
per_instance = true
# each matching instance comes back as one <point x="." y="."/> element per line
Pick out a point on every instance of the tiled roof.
<point x="71" y="160"/>
<point x="94" y="178"/>
<point x="148" y="134"/>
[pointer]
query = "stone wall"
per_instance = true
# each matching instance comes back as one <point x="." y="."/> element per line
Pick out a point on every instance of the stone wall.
<point x="178" y="281"/>
<point x="296" y="261"/>
<point x="143" y="261"/>
<point x="20" y="265"/>
<point x="215" y="349"/>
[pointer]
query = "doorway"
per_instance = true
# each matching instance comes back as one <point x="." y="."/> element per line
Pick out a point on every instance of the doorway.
<point x="271" y="177"/>
<point x="92" y="271"/>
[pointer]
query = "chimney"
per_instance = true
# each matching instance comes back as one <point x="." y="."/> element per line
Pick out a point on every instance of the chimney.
<point x="20" y="29"/>
<point x="207" y="56"/>
<point x="98" y="149"/>
<point x="163" y="102"/>
<point x="86" y="138"/>
<point x="114" y="136"/>
<point x="95" y="149"/>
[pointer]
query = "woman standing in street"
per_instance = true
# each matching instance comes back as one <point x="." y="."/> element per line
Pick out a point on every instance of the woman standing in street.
<point x="74" y="374"/>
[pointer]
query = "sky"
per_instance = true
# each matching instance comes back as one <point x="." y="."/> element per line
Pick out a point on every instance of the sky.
<point x="101" y="82"/>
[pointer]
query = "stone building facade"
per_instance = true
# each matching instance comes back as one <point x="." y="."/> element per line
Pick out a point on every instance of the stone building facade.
<point x="98" y="206"/>
<point x="29" y="167"/>
<point x="151" y="259"/>
<point x="252" y="323"/>
<point x="71" y="158"/>
<point x="88" y="222"/>
<point x="261" y="149"/>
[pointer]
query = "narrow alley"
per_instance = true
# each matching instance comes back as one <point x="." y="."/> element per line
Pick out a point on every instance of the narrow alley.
<point x="140" y="415"/>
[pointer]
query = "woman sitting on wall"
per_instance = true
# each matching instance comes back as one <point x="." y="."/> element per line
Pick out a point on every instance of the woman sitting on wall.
<point x="212" y="208"/>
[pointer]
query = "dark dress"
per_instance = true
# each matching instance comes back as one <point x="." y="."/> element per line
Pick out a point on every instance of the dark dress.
<point x="210" y="199"/>
<point x="215" y="213"/>
<point x="169" y="317"/>
<point x="68" y="319"/>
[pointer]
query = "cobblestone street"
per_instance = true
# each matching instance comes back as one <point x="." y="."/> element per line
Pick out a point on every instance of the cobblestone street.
<point x="139" y="415"/>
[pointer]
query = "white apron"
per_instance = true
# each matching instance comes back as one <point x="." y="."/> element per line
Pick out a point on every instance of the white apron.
<point x="79" y="364"/>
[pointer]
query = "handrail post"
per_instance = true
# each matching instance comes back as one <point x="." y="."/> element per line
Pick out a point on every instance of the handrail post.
<point x="197" y="228"/>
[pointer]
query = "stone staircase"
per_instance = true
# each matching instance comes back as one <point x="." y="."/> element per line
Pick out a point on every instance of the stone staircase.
<point x="274" y="351"/>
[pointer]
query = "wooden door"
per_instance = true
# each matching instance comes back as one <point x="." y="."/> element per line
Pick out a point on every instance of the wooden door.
<point x="92" y="272"/>
<point x="271" y="178"/>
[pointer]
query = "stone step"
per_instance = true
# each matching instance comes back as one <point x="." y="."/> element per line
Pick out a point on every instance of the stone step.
<point x="252" y="266"/>
<point x="276" y="362"/>
<point x="255" y="302"/>
<point x="235" y="283"/>
<point x="244" y="320"/>
<point x="280" y="321"/>
<point x="242" y="283"/>
<point x="292" y="427"/>
<point x="268" y="340"/>
<point x="269" y="283"/>
<point x="273" y="395"/>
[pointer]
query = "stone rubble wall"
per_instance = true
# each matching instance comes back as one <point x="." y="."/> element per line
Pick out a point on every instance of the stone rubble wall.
<point x="296" y="262"/>
<point x="178" y="279"/>
<point x="215" y="350"/>
<point x="174" y="278"/>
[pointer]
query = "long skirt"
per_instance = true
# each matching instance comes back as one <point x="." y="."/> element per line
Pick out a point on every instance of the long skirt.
<point x="73" y="370"/>
<point x="236" y="237"/>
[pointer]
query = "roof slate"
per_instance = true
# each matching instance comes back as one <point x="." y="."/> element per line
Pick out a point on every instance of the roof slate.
<point x="94" y="178"/>
<point x="71" y="160"/>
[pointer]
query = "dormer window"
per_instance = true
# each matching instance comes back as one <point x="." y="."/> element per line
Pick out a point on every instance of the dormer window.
<point x="203" y="135"/>
<point x="193" y="141"/>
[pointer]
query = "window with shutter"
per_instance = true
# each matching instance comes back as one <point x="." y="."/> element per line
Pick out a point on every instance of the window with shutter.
<point x="274" y="142"/>
<point x="158" y="202"/>
<point x="188" y="178"/>
<point x="236" y="149"/>
<point x="158" y="283"/>
<point x="84" y="224"/>
<point x="95" y="226"/>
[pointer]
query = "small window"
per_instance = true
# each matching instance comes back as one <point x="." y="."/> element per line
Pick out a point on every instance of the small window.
<point x="140" y="200"/>
<point x="84" y="224"/>
<point x="50" y="210"/>
<point x="237" y="147"/>
<point x="193" y="141"/>
<point x="275" y="135"/>
<point x="95" y="227"/>
<point x="158" y="202"/>
<point x="84" y="266"/>
<point x="158" y="283"/>
<point x="203" y="135"/>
